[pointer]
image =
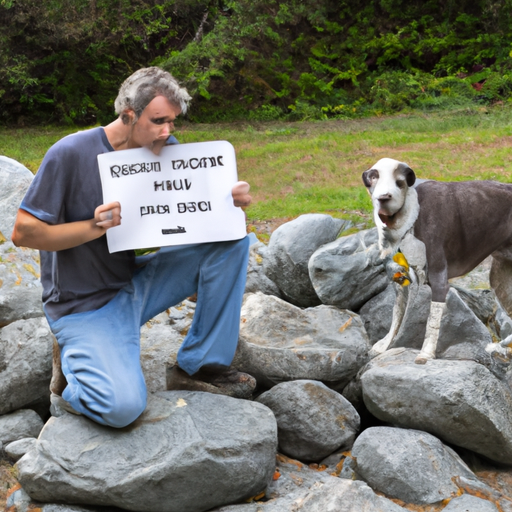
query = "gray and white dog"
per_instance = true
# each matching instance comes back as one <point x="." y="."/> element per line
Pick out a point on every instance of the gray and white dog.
<point x="444" y="230"/>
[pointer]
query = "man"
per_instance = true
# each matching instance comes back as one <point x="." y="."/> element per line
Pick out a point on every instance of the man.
<point x="95" y="302"/>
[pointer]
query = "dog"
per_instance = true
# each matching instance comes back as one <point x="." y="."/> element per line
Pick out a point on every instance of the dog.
<point x="443" y="230"/>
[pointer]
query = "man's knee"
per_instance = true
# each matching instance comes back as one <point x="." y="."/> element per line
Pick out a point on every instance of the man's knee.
<point x="125" y="410"/>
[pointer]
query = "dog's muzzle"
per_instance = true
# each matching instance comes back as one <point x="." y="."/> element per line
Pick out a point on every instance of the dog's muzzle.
<point x="388" y="220"/>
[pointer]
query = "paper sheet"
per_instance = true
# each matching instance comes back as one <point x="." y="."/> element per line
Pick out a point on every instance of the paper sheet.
<point x="181" y="196"/>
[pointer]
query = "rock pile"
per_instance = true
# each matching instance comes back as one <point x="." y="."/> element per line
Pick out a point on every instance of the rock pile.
<point x="329" y="429"/>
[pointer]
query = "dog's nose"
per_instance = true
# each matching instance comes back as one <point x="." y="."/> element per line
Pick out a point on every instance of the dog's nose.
<point x="384" y="197"/>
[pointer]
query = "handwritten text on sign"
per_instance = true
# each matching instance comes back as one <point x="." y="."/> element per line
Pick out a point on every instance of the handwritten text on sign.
<point x="181" y="196"/>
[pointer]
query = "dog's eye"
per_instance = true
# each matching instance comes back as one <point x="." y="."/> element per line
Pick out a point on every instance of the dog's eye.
<point x="400" y="183"/>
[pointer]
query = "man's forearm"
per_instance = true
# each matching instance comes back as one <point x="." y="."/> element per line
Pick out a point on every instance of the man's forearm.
<point x="31" y="232"/>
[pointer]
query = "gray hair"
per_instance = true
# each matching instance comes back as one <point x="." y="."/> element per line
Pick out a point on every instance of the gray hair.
<point x="139" y="89"/>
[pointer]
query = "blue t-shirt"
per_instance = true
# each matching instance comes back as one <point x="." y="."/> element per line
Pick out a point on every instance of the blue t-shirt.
<point x="67" y="188"/>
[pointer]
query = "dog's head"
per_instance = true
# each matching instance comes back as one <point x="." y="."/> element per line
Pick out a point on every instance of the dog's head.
<point x="387" y="183"/>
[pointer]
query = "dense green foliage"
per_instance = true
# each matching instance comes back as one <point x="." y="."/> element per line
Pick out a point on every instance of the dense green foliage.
<point x="63" y="60"/>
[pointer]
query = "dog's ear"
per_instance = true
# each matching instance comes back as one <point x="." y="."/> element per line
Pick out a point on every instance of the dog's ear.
<point x="368" y="175"/>
<point x="410" y="175"/>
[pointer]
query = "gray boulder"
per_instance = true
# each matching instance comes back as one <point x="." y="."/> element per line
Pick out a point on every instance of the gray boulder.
<point x="20" y="501"/>
<point x="20" y="288"/>
<point x="257" y="280"/>
<point x="462" y="335"/>
<point x="15" y="179"/>
<point x="159" y="345"/>
<point x="281" y="342"/>
<point x="313" y="421"/>
<point x="249" y="507"/>
<point x="25" y="363"/>
<point x="52" y="507"/>
<point x="288" y="252"/>
<point x="19" y="424"/>
<point x="461" y="402"/>
<point x="410" y="465"/>
<point x="499" y="277"/>
<point x="468" y="503"/>
<point x="188" y="452"/>
<point x="18" y="448"/>
<point x="482" y="302"/>
<point x="342" y="495"/>
<point x="503" y="322"/>
<point x="348" y="272"/>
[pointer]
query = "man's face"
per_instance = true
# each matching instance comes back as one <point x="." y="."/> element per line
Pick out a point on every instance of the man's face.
<point x="154" y="125"/>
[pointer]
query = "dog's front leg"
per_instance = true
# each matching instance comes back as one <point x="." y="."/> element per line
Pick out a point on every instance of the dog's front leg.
<point x="398" y="315"/>
<point x="428" y="350"/>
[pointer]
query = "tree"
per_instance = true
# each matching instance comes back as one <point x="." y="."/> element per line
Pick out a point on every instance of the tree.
<point x="63" y="60"/>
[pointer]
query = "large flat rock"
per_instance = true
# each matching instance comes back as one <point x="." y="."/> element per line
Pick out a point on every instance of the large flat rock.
<point x="188" y="452"/>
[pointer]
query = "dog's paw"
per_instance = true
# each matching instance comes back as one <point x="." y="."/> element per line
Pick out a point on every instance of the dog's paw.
<point x="380" y="347"/>
<point x="373" y="353"/>
<point x="423" y="359"/>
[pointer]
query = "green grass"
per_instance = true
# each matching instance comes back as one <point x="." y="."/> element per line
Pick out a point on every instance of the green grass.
<point x="28" y="145"/>
<point x="297" y="168"/>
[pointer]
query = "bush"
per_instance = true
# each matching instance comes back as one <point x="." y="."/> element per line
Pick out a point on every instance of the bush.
<point x="496" y="87"/>
<point x="63" y="61"/>
<point x="266" y="113"/>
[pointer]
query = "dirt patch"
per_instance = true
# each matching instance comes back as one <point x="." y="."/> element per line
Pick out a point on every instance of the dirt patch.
<point x="7" y="480"/>
<point x="264" y="228"/>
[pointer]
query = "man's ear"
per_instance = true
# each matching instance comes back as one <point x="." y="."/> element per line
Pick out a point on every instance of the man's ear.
<point x="128" y="117"/>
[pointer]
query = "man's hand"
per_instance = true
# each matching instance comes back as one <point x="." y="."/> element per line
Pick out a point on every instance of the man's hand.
<point x="108" y="215"/>
<point x="240" y="193"/>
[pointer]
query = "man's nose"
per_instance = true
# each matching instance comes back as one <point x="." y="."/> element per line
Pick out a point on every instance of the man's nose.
<point x="167" y="128"/>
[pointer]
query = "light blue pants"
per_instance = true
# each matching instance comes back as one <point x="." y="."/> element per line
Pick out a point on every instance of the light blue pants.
<point x="100" y="350"/>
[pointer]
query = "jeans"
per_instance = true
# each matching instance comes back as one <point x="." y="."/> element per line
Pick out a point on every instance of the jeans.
<point x="100" y="349"/>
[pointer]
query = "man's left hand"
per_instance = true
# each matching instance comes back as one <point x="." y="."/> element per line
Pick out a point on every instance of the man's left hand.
<point x="240" y="193"/>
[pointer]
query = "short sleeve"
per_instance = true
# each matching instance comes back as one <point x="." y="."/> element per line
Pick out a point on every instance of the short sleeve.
<point x="45" y="196"/>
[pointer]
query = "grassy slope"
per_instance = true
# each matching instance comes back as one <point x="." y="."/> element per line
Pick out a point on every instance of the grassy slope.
<point x="297" y="168"/>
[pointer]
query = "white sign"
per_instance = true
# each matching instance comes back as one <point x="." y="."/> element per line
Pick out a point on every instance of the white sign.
<point x="181" y="196"/>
